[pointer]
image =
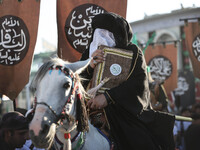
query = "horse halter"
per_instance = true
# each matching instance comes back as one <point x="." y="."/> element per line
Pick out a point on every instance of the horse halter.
<point x="69" y="73"/>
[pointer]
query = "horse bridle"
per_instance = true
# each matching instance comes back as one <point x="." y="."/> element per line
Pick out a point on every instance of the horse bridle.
<point x="69" y="74"/>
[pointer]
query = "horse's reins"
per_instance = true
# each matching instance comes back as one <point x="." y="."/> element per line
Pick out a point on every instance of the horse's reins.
<point x="69" y="74"/>
<point x="63" y="115"/>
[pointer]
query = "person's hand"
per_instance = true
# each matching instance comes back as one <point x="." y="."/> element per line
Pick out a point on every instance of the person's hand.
<point x="98" y="57"/>
<point x="98" y="102"/>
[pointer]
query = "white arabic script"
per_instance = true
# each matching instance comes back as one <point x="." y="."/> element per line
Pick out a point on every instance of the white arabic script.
<point x="196" y="48"/>
<point x="12" y="40"/>
<point x="160" y="68"/>
<point x="183" y="86"/>
<point x="80" y="25"/>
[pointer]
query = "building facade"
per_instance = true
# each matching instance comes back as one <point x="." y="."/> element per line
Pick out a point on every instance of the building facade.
<point x="169" y="28"/>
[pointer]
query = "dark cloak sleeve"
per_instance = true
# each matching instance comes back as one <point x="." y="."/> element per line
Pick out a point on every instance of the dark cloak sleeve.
<point x="133" y="124"/>
<point x="133" y="94"/>
<point x="87" y="74"/>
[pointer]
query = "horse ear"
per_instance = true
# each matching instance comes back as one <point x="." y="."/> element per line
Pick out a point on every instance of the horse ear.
<point x="79" y="66"/>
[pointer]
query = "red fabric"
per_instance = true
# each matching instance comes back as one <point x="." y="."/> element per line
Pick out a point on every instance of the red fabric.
<point x="192" y="36"/>
<point x="67" y="135"/>
<point x="23" y="18"/>
<point x="169" y="51"/>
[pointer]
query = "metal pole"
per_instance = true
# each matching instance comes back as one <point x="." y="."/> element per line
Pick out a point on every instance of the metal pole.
<point x="28" y="101"/>
<point x="14" y="105"/>
<point x="181" y="118"/>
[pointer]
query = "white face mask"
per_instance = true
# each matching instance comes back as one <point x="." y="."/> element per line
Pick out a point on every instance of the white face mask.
<point x="101" y="37"/>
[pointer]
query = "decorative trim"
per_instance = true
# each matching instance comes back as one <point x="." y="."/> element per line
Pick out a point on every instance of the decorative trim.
<point x="88" y="70"/>
<point x="110" y="97"/>
<point x="104" y="136"/>
<point x="133" y="65"/>
<point x="106" y="119"/>
<point x="109" y="51"/>
<point x="81" y="141"/>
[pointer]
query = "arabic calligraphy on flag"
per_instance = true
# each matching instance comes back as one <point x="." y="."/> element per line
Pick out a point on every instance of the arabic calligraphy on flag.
<point x="163" y="64"/>
<point x="18" y="32"/>
<point x="196" y="47"/>
<point x="74" y="18"/>
<point x="192" y="32"/>
<point x="160" y="68"/>
<point x="78" y="28"/>
<point x="185" y="92"/>
<point x="14" y="40"/>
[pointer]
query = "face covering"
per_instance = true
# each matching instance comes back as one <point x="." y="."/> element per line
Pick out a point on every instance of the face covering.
<point x="101" y="37"/>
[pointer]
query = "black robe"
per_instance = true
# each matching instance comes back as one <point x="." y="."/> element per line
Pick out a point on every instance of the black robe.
<point x="133" y="124"/>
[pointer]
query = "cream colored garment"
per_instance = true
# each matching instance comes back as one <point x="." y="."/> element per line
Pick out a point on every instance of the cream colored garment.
<point x="101" y="37"/>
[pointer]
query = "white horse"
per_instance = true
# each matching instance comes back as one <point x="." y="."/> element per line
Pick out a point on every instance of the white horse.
<point x="60" y="116"/>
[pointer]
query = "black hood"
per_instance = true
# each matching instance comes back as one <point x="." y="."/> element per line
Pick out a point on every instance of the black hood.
<point x="117" y="25"/>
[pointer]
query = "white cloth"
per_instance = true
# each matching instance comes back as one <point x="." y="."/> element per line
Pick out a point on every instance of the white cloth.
<point x="101" y="37"/>
<point x="186" y="124"/>
<point x="175" y="130"/>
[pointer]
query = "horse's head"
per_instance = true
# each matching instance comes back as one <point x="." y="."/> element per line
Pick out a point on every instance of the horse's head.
<point x="57" y="93"/>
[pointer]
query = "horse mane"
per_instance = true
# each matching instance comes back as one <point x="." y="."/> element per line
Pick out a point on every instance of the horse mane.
<point x="43" y="70"/>
<point x="81" y="112"/>
<point x="81" y="116"/>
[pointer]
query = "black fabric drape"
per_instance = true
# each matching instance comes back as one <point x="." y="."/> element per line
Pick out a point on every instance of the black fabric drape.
<point x="134" y="125"/>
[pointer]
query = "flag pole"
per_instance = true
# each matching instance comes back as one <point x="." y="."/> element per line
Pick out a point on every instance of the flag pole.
<point x="149" y="41"/>
<point x="182" y="118"/>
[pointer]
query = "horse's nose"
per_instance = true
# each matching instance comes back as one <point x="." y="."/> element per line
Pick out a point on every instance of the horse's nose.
<point x="39" y="128"/>
<point x="45" y="128"/>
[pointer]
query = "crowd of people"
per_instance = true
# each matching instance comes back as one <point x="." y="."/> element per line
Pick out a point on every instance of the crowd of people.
<point x="14" y="131"/>
<point x="133" y="122"/>
<point x="187" y="133"/>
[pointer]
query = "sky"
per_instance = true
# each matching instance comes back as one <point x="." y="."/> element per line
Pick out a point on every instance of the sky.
<point x="136" y="10"/>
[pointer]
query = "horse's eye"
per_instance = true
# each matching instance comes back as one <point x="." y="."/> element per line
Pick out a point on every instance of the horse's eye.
<point x="66" y="85"/>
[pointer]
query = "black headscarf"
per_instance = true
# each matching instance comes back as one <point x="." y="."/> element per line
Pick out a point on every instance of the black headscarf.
<point x="115" y="24"/>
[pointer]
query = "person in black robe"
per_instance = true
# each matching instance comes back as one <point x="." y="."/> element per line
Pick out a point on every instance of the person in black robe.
<point x="133" y="123"/>
<point x="192" y="134"/>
